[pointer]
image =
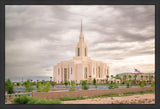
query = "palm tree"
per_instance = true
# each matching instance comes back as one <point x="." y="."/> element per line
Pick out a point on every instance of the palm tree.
<point x="107" y="76"/>
<point x="90" y="78"/>
<point x="135" y="77"/>
<point x="50" y="78"/>
<point x="130" y="77"/>
<point x="151" y="77"/>
<point x="124" y="77"/>
<point x="146" y="78"/>
<point x="112" y="77"/>
<point x="142" y="77"/>
<point x="117" y="76"/>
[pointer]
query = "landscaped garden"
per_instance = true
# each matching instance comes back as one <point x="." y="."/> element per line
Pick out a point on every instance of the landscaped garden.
<point x="24" y="90"/>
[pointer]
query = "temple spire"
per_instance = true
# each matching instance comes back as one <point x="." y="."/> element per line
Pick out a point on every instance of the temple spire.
<point x="81" y="25"/>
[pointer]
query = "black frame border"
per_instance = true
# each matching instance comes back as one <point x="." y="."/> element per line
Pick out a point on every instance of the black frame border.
<point x="80" y="2"/>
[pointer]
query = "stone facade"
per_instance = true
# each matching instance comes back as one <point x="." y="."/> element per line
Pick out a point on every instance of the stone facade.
<point x="81" y="67"/>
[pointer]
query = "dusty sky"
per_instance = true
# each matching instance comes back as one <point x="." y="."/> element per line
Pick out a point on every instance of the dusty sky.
<point x="38" y="37"/>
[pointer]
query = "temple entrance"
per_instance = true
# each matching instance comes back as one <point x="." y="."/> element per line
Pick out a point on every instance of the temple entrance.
<point x="65" y="74"/>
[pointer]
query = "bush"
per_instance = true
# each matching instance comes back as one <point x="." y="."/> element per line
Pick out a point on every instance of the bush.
<point x="9" y="86"/>
<point x="66" y="83"/>
<point x="107" y="82"/>
<point x="142" y="84"/>
<point x="153" y="84"/>
<point x="123" y="82"/>
<point x="94" y="82"/>
<point x="71" y="98"/>
<point x="128" y="86"/>
<point x="28" y="85"/>
<point x="52" y="83"/>
<point x="43" y="87"/>
<point x="18" y="84"/>
<point x="84" y="85"/>
<point x="24" y="99"/>
<point x="113" y="86"/>
<point x="72" y="88"/>
<point x="34" y="83"/>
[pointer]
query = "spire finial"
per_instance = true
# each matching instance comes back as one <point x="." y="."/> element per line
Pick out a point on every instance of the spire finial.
<point x="81" y="25"/>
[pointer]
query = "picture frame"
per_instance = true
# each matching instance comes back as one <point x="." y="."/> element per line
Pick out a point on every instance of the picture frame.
<point x="80" y="2"/>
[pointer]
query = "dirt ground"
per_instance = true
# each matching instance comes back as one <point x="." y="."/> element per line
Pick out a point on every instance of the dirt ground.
<point x="134" y="99"/>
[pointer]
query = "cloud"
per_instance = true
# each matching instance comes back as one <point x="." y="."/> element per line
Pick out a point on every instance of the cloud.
<point x="38" y="37"/>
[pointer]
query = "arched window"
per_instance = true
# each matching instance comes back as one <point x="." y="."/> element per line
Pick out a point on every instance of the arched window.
<point x="78" y="51"/>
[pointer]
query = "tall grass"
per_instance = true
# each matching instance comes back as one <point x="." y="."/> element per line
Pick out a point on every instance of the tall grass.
<point x="25" y="99"/>
<point x="71" y="98"/>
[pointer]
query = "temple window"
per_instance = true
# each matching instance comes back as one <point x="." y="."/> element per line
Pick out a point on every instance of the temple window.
<point x="65" y="73"/>
<point x="71" y="71"/>
<point x="85" y="72"/>
<point x="93" y="71"/>
<point x="78" y="51"/>
<point x="98" y="69"/>
<point x="58" y="71"/>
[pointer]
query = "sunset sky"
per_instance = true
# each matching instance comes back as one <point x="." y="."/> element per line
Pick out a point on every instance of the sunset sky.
<point x="38" y="37"/>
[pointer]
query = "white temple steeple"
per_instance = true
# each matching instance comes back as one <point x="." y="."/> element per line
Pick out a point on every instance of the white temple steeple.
<point x="81" y="49"/>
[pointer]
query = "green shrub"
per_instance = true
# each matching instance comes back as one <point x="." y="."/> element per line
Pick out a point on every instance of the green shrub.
<point x="18" y="84"/>
<point x="24" y="99"/>
<point x="123" y="82"/>
<point x="107" y="82"/>
<point x="43" y="87"/>
<point x="72" y="88"/>
<point x="153" y="84"/>
<point x="28" y="85"/>
<point x="113" y="86"/>
<point x="66" y="83"/>
<point x="52" y="83"/>
<point x="71" y="98"/>
<point x="34" y="83"/>
<point x="44" y="101"/>
<point x="84" y="85"/>
<point x="127" y="86"/>
<point x="121" y="103"/>
<point x="95" y="82"/>
<point x="142" y="84"/>
<point x="9" y="86"/>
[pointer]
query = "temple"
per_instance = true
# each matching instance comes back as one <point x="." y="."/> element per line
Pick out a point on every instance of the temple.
<point x="81" y="67"/>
